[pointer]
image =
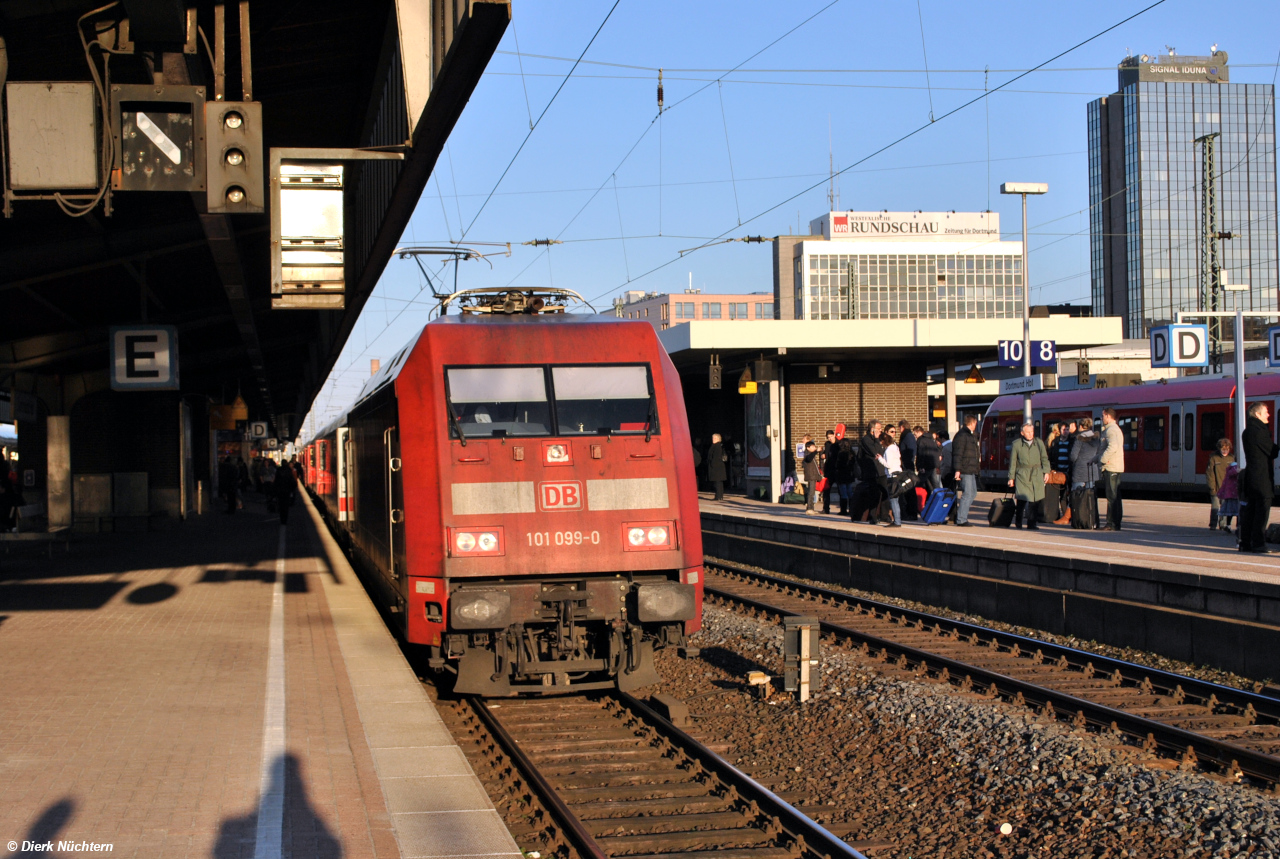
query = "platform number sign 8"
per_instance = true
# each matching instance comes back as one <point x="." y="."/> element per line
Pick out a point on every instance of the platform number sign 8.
<point x="1044" y="353"/>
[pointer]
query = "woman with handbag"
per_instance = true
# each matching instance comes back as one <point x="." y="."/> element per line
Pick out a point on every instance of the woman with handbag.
<point x="1028" y="474"/>
<point x="891" y="461"/>
<point x="1084" y="476"/>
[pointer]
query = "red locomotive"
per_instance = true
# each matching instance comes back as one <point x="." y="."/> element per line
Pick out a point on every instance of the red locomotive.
<point x="518" y="484"/>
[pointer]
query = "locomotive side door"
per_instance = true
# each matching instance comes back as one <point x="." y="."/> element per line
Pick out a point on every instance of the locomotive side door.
<point x="395" y="504"/>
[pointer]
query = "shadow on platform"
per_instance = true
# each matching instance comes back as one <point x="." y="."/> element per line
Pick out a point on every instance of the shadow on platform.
<point x="46" y="828"/>
<point x="302" y="833"/>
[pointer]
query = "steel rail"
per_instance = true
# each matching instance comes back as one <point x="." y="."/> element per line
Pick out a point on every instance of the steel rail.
<point x="809" y="835"/>
<point x="1229" y="756"/>
<point x="1161" y="679"/>
<point x="574" y="831"/>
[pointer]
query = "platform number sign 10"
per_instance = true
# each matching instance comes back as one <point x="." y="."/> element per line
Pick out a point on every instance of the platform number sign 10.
<point x="1044" y="353"/>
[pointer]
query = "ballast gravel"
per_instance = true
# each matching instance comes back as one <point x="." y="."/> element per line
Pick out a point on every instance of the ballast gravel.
<point x="926" y="770"/>
<point x="1129" y="654"/>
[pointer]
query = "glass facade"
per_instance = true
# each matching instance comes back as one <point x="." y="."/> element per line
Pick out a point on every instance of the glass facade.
<point x="911" y="286"/>
<point x="1159" y="238"/>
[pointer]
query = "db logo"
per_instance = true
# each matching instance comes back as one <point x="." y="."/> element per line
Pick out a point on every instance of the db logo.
<point x="560" y="496"/>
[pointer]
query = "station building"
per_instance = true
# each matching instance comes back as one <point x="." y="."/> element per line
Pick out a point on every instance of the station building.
<point x="866" y="305"/>
<point x="665" y="309"/>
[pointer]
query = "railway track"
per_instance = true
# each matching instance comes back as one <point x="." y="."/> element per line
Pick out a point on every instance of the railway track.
<point x="589" y="777"/>
<point x="1234" y="732"/>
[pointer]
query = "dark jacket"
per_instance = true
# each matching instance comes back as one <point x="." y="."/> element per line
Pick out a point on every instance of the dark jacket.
<point x="1084" y="453"/>
<point x="1259" y="460"/>
<point x="927" y="453"/>
<point x="285" y="485"/>
<point x="717" y="467"/>
<point x="812" y="473"/>
<point x="964" y="453"/>
<point x="868" y="450"/>
<point x="846" y="462"/>
<point x="228" y="478"/>
<point x="829" y="459"/>
<point x="1060" y="453"/>
<point x="908" y="447"/>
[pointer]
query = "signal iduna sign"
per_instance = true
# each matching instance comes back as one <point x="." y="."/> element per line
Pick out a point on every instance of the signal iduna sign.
<point x="1180" y="346"/>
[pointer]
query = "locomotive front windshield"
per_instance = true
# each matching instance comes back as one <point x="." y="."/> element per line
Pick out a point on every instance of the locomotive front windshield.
<point x="541" y="401"/>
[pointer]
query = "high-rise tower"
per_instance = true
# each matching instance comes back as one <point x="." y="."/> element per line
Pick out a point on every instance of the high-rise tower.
<point x="1145" y="189"/>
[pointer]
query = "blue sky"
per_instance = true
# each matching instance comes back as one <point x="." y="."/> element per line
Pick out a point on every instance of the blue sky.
<point x="626" y="192"/>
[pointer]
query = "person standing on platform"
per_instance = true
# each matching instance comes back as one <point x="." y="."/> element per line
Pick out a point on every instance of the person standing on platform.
<point x="812" y="474"/>
<point x="1213" y="475"/>
<point x="1028" y="474"/>
<point x="1111" y="464"/>
<point x="1084" y="468"/>
<point x="228" y="480"/>
<point x="891" y="461"/>
<point x="846" y="474"/>
<point x="828" y="471"/>
<point x="717" y="466"/>
<point x="967" y="462"/>
<point x="1257" y="486"/>
<point x="284" y="488"/>
<point x="927" y="451"/>
<point x="1051" y="508"/>
<point x="866" y="494"/>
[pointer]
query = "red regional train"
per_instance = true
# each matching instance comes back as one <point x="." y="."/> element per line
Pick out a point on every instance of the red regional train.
<point x="518" y="485"/>
<point x="1170" y="430"/>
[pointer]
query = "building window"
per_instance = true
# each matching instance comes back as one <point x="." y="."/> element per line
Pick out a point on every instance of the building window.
<point x="684" y="309"/>
<point x="738" y="310"/>
<point x="711" y="310"/>
<point x="646" y="313"/>
<point x="764" y="310"/>
<point x="666" y="311"/>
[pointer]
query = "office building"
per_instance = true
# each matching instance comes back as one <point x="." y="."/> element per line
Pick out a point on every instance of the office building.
<point x="899" y="265"/>
<point x="665" y="309"/>
<point x="1146" y="195"/>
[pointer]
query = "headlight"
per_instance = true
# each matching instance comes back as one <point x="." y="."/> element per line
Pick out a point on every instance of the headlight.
<point x="665" y="601"/>
<point x="475" y="542"/>
<point x="646" y="536"/>
<point x="479" y="609"/>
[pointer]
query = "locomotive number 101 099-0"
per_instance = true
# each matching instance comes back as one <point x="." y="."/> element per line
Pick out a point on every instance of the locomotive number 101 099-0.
<point x="562" y="538"/>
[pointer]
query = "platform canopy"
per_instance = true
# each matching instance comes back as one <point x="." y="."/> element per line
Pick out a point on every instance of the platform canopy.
<point x="390" y="75"/>
<point x="932" y="340"/>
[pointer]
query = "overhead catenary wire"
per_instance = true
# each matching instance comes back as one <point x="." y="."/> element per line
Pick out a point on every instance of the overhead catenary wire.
<point x="520" y="61"/>
<point x="727" y="148"/>
<point x="924" y="52"/>
<point x="915" y="131"/>
<point x="536" y="122"/>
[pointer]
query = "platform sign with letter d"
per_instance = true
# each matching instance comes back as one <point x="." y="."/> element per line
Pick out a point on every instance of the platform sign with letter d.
<point x="1180" y="346"/>
<point x="144" y="358"/>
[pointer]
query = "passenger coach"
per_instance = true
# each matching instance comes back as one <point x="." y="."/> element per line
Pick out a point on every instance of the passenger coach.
<point x="1170" y="430"/>
<point x="519" y="481"/>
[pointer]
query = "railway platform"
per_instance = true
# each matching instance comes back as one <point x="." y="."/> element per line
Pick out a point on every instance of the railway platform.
<point x="1166" y="583"/>
<point x="225" y="689"/>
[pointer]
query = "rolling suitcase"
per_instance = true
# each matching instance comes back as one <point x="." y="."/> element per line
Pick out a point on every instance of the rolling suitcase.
<point x="1084" y="509"/>
<point x="1001" y="513"/>
<point x="938" y="507"/>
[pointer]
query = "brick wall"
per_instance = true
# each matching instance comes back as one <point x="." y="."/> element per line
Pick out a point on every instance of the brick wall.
<point x="860" y="392"/>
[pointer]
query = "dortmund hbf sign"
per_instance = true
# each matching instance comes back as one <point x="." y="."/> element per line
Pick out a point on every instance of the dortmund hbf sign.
<point x="1180" y="346"/>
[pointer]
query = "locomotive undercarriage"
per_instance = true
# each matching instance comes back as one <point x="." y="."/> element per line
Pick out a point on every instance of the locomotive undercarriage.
<point x="564" y="635"/>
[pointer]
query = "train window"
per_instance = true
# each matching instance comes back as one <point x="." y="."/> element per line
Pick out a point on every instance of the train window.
<point x="1212" y="428"/>
<point x="512" y="400"/>
<point x="1175" y="434"/>
<point x="1129" y="430"/>
<point x="603" y="399"/>
<point x="1189" y="431"/>
<point x="1153" y="433"/>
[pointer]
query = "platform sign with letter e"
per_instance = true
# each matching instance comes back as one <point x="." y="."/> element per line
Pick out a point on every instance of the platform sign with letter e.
<point x="144" y="358"/>
<point x="1180" y="346"/>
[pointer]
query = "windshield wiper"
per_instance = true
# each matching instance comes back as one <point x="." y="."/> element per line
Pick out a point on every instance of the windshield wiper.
<point x="456" y="424"/>
<point x="653" y="416"/>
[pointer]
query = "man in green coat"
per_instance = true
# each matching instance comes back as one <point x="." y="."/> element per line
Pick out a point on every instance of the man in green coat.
<point x="1028" y="473"/>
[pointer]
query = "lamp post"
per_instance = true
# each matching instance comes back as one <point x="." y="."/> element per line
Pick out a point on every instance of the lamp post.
<point x="1025" y="188"/>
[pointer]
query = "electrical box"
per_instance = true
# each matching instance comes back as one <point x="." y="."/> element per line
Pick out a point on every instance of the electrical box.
<point x="159" y="133"/>
<point x="801" y="643"/>
<point x="233" y="157"/>
<point x="52" y="136"/>
<point x="311" y="273"/>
